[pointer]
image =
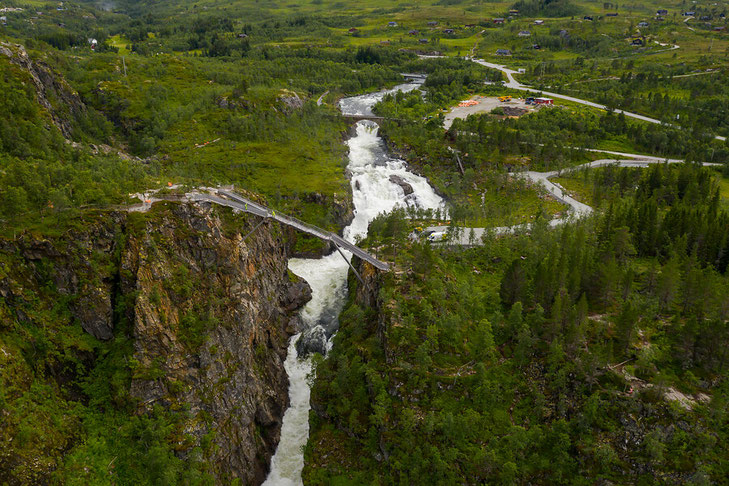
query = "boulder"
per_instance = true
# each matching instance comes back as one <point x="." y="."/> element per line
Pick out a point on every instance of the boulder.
<point x="312" y="340"/>
<point x="406" y="187"/>
<point x="296" y="296"/>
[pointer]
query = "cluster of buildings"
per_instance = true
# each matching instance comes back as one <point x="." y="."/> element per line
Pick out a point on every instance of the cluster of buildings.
<point x="414" y="32"/>
<point x="637" y="40"/>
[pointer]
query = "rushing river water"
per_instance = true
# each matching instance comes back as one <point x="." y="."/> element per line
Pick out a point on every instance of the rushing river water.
<point x="373" y="193"/>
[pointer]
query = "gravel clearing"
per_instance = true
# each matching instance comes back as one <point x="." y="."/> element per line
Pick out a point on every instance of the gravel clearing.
<point x="485" y="105"/>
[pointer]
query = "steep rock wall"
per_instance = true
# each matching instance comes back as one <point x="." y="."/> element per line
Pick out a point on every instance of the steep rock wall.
<point x="211" y="325"/>
<point x="210" y="315"/>
<point x="49" y="86"/>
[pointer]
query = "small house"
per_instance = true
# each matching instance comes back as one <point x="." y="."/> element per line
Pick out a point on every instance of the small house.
<point x="642" y="24"/>
<point x="469" y="26"/>
<point x="413" y="32"/>
<point x="423" y="41"/>
<point x="499" y="20"/>
<point x="539" y="22"/>
<point x="719" y="28"/>
<point x="503" y="52"/>
<point x="564" y="34"/>
<point x="432" y="23"/>
<point x="659" y="19"/>
<point x="513" y="12"/>
<point x="93" y="43"/>
<point x="449" y="31"/>
<point x="721" y="15"/>
<point x="392" y="24"/>
<point x="536" y="47"/>
<point x="662" y="12"/>
<point x="242" y="36"/>
<point x="689" y="14"/>
<point x="587" y="17"/>
<point x="4" y="20"/>
<point x="611" y="14"/>
<point x="705" y="17"/>
<point x="524" y="33"/>
<point x="637" y="42"/>
<point x="385" y="43"/>
<point x="543" y="101"/>
<point x="353" y="30"/>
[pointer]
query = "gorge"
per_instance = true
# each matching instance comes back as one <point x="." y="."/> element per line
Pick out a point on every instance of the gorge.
<point x="372" y="172"/>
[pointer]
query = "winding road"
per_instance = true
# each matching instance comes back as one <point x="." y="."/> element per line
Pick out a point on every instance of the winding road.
<point x="514" y="84"/>
<point x="472" y="236"/>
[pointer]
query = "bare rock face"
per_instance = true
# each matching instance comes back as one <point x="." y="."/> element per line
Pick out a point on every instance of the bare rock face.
<point x="54" y="93"/>
<point x="211" y="315"/>
<point x="296" y="296"/>
<point x="291" y="102"/>
<point x="73" y="267"/>
<point x="212" y="322"/>
<point x="94" y="310"/>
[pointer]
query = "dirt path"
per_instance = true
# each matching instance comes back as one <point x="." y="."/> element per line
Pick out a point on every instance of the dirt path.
<point x="321" y="98"/>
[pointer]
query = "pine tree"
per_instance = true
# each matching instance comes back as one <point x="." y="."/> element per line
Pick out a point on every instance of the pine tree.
<point x="513" y="284"/>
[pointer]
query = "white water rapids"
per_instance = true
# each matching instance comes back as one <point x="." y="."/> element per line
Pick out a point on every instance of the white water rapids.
<point x="373" y="193"/>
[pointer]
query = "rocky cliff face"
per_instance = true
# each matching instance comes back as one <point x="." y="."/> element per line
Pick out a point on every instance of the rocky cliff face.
<point x="211" y="325"/>
<point x="210" y="315"/>
<point x="341" y="213"/>
<point x="54" y="93"/>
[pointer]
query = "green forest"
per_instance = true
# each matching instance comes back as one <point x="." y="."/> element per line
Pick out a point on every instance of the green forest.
<point x="564" y="350"/>
<point x="540" y="358"/>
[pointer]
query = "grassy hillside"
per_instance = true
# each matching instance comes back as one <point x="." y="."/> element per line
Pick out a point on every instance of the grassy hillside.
<point x="593" y="354"/>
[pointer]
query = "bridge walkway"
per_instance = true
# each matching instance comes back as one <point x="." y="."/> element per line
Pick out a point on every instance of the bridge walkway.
<point x="236" y="201"/>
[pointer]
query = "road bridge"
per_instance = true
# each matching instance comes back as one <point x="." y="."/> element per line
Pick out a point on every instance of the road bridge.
<point x="414" y="76"/>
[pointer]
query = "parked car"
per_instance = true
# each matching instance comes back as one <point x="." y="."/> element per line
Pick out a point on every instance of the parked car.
<point x="437" y="236"/>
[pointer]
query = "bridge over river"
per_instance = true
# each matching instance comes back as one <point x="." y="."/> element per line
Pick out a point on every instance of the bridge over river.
<point x="356" y="118"/>
<point x="224" y="197"/>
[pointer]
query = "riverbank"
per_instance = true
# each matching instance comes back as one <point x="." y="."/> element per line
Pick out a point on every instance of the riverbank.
<point x="370" y="169"/>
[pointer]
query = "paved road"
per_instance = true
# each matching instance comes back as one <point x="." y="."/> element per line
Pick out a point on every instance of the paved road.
<point x="514" y="84"/>
<point x="321" y="98"/>
<point x="472" y="236"/>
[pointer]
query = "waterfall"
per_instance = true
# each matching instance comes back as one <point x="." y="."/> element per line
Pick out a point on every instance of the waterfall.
<point x="370" y="167"/>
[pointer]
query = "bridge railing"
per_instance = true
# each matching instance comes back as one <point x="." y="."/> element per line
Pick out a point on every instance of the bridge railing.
<point x="248" y="205"/>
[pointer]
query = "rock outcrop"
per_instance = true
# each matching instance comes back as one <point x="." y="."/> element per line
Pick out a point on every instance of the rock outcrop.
<point x="311" y="341"/>
<point x="212" y="322"/>
<point x="54" y="93"/>
<point x="210" y="315"/>
<point x="290" y="102"/>
<point x="404" y="185"/>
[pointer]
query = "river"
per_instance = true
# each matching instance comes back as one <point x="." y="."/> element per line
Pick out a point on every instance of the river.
<point x="370" y="167"/>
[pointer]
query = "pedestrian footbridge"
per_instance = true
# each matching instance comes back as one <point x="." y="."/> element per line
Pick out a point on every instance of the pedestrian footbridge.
<point x="240" y="203"/>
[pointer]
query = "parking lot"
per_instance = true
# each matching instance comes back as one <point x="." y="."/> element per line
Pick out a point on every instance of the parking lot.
<point x="484" y="105"/>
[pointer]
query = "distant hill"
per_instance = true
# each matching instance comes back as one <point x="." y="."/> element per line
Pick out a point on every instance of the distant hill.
<point x="546" y="8"/>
